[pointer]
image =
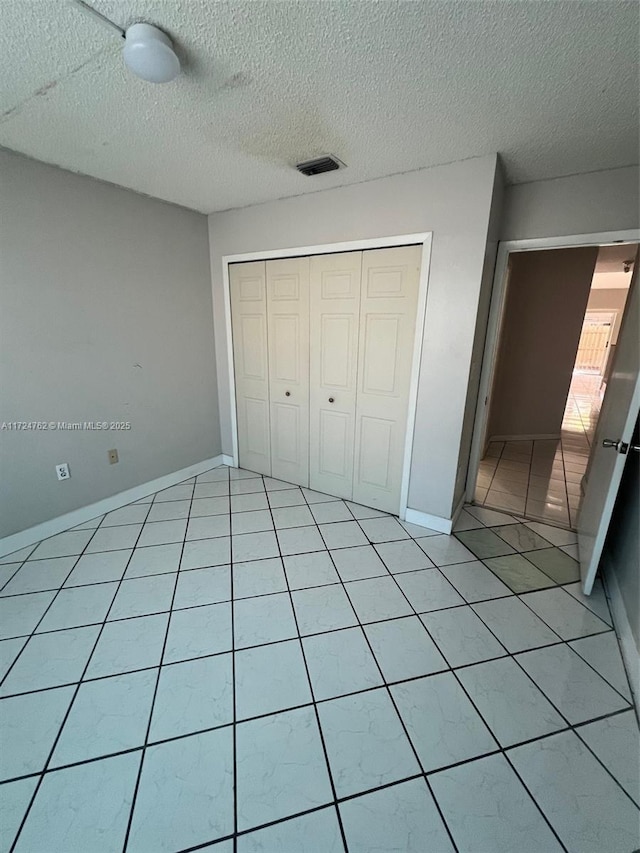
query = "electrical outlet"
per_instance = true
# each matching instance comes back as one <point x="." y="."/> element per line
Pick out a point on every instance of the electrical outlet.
<point x="113" y="456"/>
<point x="63" y="471"/>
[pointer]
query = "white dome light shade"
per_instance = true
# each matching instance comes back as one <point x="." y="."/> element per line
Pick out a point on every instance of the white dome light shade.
<point x="148" y="52"/>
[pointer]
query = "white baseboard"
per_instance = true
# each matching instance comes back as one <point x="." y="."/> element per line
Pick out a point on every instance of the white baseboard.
<point x="541" y="437"/>
<point x="433" y="522"/>
<point x="78" y="516"/>
<point x="622" y="627"/>
<point x="228" y="460"/>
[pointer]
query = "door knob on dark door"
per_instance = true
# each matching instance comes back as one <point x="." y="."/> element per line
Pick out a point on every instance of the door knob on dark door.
<point x="287" y="393"/>
<point x="331" y="399"/>
<point x="619" y="445"/>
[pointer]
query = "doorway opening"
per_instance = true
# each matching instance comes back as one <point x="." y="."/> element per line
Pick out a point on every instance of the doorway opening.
<point x="562" y="311"/>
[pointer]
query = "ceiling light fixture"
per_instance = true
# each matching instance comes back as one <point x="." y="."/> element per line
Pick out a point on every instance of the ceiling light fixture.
<point x="148" y="52"/>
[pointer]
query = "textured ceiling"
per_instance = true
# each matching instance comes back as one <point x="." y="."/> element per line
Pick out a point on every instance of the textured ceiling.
<point x="386" y="86"/>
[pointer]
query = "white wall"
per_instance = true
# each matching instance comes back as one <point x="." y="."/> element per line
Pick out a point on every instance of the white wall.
<point x="454" y="202"/>
<point x="578" y="204"/>
<point x="105" y="315"/>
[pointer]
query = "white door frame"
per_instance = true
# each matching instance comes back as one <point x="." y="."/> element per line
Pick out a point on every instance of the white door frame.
<point x="496" y="316"/>
<point x="422" y="238"/>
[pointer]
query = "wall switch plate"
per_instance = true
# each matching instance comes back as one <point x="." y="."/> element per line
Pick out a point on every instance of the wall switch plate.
<point x="113" y="456"/>
<point x="62" y="471"/>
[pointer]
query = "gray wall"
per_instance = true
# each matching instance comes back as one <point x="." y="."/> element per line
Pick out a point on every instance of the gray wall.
<point x="455" y="203"/>
<point x="105" y="315"/>
<point x="547" y="294"/>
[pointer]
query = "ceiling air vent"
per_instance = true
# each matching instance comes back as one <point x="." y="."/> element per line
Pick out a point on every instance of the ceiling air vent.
<point x="322" y="164"/>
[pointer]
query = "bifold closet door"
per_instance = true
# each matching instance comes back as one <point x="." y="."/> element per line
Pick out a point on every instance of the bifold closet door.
<point x="247" y="284"/>
<point x="335" y="312"/>
<point x="388" y="302"/>
<point x="288" y="324"/>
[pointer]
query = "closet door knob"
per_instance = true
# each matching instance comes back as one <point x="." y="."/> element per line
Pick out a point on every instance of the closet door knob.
<point x="331" y="399"/>
<point x="287" y="393"/>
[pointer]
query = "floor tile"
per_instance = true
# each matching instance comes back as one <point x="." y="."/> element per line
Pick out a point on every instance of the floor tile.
<point x="40" y="575"/>
<point x="241" y="474"/>
<point x="564" y="614"/>
<point x="251" y="522"/>
<point x="198" y="631"/>
<point x="175" y="493"/>
<point x="488" y="809"/>
<point x="507" y="501"/>
<point x="14" y="802"/>
<point x="400" y="819"/>
<point x="427" y="590"/>
<point x="299" y="540"/>
<point x="214" y="475"/>
<point x="404" y="649"/>
<point x="107" y="716"/>
<point x="616" y="742"/>
<point x="313" y="497"/>
<point x="29" y="726"/>
<point x="417" y="530"/>
<point x="203" y="586"/>
<point x="403" y="556"/>
<point x="18" y="556"/>
<point x="314" y="569"/>
<point x="272" y="485"/>
<point x="444" y="550"/>
<point x="292" y="516"/>
<point x="128" y="645"/>
<point x="153" y="560"/>
<point x="169" y="511"/>
<point x="20" y="615"/>
<point x="186" y="793"/>
<point x="309" y="833"/>
<point x="287" y="497"/>
<point x="596" y="602"/>
<point x="602" y="652"/>
<point x="365" y="742"/>
<point x="378" y="598"/>
<point x="465" y="521"/>
<point x="518" y="573"/>
<point x="521" y="537"/>
<point x="259" y="577"/>
<point x="489" y="517"/>
<point x="96" y="568"/>
<point x="80" y="605"/>
<point x="140" y="596"/>
<point x="243" y="487"/>
<point x="85" y="807"/>
<point x="474" y="581"/>
<point x="246" y="503"/>
<point x="358" y="511"/>
<point x="49" y="660"/>
<point x="576" y="690"/>
<point x="340" y="662"/>
<point x="206" y="552"/>
<point x="114" y="538"/>
<point x="192" y="696"/>
<point x="9" y="651"/>
<point x="281" y="768"/>
<point x="517" y="627"/>
<point x="510" y="704"/>
<point x="208" y="527"/>
<point x="553" y="562"/>
<point x="343" y="534"/>
<point x="323" y="608"/>
<point x="323" y="513"/>
<point x="63" y="545"/>
<point x="484" y="543"/>
<point x="131" y="514"/>
<point x="213" y="490"/>
<point x="554" y="534"/>
<point x="8" y="570"/>
<point x="266" y="619"/>
<point x="383" y="529"/>
<point x="270" y="678"/>
<point x="358" y="563"/>
<point x="214" y="506"/>
<point x="442" y="723"/>
<point x="461" y="636"/>
<point x="582" y="802"/>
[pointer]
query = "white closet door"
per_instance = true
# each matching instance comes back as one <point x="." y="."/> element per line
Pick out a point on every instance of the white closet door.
<point x="335" y="314"/>
<point x="251" y="364"/>
<point x="288" y="319"/>
<point x="389" y="296"/>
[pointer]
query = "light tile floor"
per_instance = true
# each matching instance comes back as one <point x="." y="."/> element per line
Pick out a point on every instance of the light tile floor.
<point x="236" y="664"/>
<point x="541" y="479"/>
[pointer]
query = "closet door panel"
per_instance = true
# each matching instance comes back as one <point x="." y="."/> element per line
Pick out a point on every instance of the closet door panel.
<point x="335" y="310"/>
<point x="390" y="280"/>
<point x="288" y="323"/>
<point x="247" y="284"/>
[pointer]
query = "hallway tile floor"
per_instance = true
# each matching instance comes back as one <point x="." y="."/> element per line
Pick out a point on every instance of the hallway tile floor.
<point x="541" y="479"/>
<point x="237" y="664"/>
